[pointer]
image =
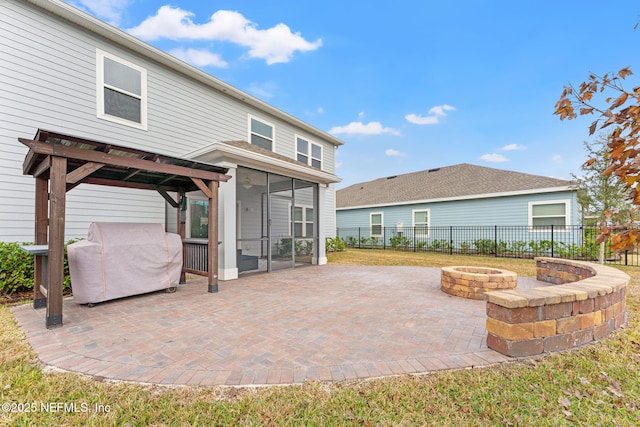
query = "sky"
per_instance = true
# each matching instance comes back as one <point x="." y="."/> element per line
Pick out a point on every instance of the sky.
<point x="408" y="85"/>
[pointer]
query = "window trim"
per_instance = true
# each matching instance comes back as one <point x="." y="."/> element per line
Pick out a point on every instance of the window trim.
<point x="100" y="85"/>
<point x="413" y="221"/>
<point x="304" y="221"/>
<point x="309" y="155"/>
<point x="371" y="214"/>
<point x="567" y="215"/>
<point x="273" y="130"/>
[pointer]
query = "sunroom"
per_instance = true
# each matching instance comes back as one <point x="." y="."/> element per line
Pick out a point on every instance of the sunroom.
<point x="272" y="217"/>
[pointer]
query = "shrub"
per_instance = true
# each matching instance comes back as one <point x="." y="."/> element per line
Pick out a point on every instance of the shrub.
<point x="399" y="242"/>
<point x="352" y="242"/>
<point x="517" y="246"/>
<point x="485" y="246"/>
<point x="422" y="244"/>
<point x="16" y="268"/>
<point x="440" y="245"/>
<point x="335" y="244"/>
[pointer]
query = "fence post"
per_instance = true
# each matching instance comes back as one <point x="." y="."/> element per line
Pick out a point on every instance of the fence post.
<point x="384" y="237"/>
<point x="495" y="241"/>
<point x="415" y="249"/>
<point x="552" y="241"/>
<point x="625" y="257"/>
<point x="359" y="246"/>
<point x="451" y="240"/>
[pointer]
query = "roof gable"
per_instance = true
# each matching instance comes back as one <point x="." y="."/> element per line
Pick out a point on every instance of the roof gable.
<point x="449" y="182"/>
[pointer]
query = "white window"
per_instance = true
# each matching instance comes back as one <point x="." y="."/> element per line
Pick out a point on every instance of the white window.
<point x="421" y="222"/>
<point x="261" y="133"/>
<point x="309" y="152"/>
<point x="543" y="215"/>
<point x="376" y="222"/>
<point x="303" y="221"/>
<point x="121" y="91"/>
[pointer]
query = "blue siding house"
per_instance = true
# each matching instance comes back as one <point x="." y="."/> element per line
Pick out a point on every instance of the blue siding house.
<point x="458" y="206"/>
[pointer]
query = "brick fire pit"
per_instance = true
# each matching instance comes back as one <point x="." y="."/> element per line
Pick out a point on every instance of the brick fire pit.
<point x="473" y="282"/>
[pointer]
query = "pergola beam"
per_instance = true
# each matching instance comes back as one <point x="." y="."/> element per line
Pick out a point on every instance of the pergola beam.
<point x="203" y="187"/>
<point x="60" y="150"/>
<point x="83" y="172"/>
<point x="167" y="197"/>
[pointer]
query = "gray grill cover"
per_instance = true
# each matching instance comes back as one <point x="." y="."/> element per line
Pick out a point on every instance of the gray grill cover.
<point x="122" y="259"/>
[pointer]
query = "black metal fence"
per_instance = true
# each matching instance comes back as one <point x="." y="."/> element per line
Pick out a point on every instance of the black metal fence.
<point x="570" y="242"/>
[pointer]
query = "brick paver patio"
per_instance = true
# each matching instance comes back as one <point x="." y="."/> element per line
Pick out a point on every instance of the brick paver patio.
<point x="328" y="323"/>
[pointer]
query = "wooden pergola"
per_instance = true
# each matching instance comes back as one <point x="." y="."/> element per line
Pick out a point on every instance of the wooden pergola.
<point x="59" y="163"/>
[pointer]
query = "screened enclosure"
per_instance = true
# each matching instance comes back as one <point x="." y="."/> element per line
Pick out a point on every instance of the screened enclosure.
<point x="277" y="225"/>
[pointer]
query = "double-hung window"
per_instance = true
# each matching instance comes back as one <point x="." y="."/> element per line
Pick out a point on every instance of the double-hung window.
<point x="543" y="215"/>
<point x="261" y="133"/>
<point x="376" y="223"/>
<point x="309" y="152"/>
<point x="421" y="222"/>
<point x="121" y="91"/>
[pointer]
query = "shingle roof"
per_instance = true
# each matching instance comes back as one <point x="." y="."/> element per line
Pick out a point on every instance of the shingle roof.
<point x="463" y="180"/>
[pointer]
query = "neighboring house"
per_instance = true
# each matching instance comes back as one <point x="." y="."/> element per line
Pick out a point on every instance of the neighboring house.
<point x="65" y="71"/>
<point x="420" y="203"/>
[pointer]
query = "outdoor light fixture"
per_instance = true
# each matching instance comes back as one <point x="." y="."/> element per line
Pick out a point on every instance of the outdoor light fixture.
<point x="247" y="183"/>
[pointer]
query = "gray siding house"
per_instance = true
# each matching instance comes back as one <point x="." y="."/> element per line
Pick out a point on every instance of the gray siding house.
<point x="430" y="204"/>
<point x="65" y="71"/>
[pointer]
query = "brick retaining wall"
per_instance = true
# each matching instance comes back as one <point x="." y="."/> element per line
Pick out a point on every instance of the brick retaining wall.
<point x="586" y="303"/>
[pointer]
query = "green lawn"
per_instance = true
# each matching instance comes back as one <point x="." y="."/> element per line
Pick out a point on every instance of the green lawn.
<point x="595" y="385"/>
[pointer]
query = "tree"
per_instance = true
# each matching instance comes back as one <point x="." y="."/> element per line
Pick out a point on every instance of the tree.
<point x="601" y="196"/>
<point x="620" y="112"/>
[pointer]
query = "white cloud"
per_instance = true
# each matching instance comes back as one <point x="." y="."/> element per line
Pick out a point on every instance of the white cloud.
<point x="199" y="58"/>
<point x="274" y="45"/>
<point x="263" y="90"/>
<point x="557" y="158"/>
<point x="394" y="153"/>
<point x="108" y="10"/>
<point x="359" y="128"/>
<point x="361" y="115"/>
<point x="435" y="114"/>
<point x="512" y="147"/>
<point x="494" y="157"/>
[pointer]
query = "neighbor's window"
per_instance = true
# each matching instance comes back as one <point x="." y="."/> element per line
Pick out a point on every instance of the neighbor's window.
<point x="376" y="224"/>
<point x="261" y="133"/>
<point x="122" y="91"/>
<point x="421" y="222"/>
<point x="309" y="153"/>
<point x="546" y="214"/>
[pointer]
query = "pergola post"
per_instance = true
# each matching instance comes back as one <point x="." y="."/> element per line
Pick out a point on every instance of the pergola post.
<point x="57" y="200"/>
<point x="40" y="272"/>
<point x="181" y="228"/>
<point x="212" y="244"/>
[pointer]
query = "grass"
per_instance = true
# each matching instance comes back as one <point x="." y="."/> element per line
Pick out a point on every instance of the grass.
<point x="595" y="385"/>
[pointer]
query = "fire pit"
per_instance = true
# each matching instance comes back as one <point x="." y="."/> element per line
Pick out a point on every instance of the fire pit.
<point x="473" y="282"/>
